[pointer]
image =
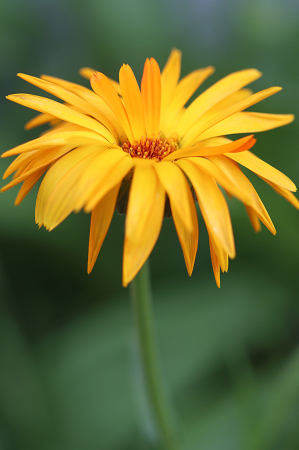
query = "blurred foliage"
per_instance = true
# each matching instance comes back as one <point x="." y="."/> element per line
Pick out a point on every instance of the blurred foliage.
<point x="230" y="357"/>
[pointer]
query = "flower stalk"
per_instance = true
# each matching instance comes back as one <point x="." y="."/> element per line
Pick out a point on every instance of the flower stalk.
<point x="158" y="404"/>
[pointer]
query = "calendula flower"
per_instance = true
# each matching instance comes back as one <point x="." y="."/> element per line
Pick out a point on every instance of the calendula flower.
<point x="143" y="152"/>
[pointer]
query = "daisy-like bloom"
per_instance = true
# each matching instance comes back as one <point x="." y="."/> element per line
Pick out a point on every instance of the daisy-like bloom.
<point x="145" y="153"/>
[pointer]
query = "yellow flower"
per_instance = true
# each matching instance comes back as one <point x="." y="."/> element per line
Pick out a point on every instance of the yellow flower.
<point x="143" y="151"/>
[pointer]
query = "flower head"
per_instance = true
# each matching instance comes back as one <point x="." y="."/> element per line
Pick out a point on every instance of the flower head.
<point x="141" y="151"/>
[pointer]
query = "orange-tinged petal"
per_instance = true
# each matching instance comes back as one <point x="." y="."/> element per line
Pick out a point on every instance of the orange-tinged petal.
<point x="263" y="169"/>
<point x="151" y="96"/>
<point x="212" y="205"/>
<point x="223" y="88"/>
<point x="133" y="101"/>
<point x="247" y="122"/>
<point x="202" y="124"/>
<point x="188" y="239"/>
<point x="233" y="172"/>
<point x="169" y="79"/>
<point x="199" y="150"/>
<point x="254" y="220"/>
<point x="28" y="185"/>
<point x="176" y="186"/>
<point x="143" y="221"/>
<point x="87" y="73"/>
<point x="104" y="88"/>
<point x="184" y="90"/>
<point x="61" y="111"/>
<point x="101" y="217"/>
<point x="57" y="184"/>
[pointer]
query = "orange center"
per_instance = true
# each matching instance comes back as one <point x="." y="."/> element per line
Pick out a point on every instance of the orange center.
<point x="151" y="148"/>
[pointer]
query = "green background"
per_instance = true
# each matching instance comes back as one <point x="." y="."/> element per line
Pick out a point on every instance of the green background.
<point x="230" y="356"/>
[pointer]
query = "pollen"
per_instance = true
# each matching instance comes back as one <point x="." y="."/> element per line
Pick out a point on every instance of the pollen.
<point x="147" y="148"/>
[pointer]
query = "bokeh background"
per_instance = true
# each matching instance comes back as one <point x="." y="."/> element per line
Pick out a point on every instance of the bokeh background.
<point x="230" y="356"/>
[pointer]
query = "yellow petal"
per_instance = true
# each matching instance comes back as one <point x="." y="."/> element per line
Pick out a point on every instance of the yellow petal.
<point x="91" y="97"/>
<point x="61" y="111"/>
<point x="57" y="138"/>
<point x="104" y="88"/>
<point x="221" y="254"/>
<point x="254" y="220"/>
<point x="46" y="157"/>
<point x="101" y="217"/>
<point x="212" y="205"/>
<point x="87" y="73"/>
<point x="42" y="160"/>
<point x="93" y="177"/>
<point x="41" y="119"/>
<point x="247" y="122"/>
<point x="184" y="90"/>
<point x="70" y="98"/>
<point x="143" y="221"/>
<point x="214" y="172"/>
<point x="233" y="172"/>
<point x="228" y="101"/>
<point x="133" y="101"/>
<point x="21" y="161"/>
<point x="28" y="185"/>
<point x="188" y="239"/>
<point x="115" y="176"/>
<point x="263" y="169"/>
<point x="23" y="164"/>
<point x="169" y="79"/>
<point x="213" y="142"/>
<point x="176" y="186"/>
<point x="284" y="193"/>
<point x="201" y="125"/>
<point x="30" y="146"/>
<point x="55" y="197"/>
<point x="199" y="150"/>
<point x="215" y="264"/>
<point x="151" y="96"/>
<point x="223" y="88"/>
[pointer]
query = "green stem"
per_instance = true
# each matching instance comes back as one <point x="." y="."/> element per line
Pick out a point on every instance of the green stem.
<point x="157" y="399"/>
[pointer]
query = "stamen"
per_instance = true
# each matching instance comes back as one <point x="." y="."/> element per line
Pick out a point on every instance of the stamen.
<point x="151" y="148"/>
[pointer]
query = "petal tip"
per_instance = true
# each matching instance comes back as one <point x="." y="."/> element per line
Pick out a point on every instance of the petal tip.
<point x="291" y="117"/>
<point x="90" y="266"/>
<point x="23" y="76"/>
<point x="125" y="282"/>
